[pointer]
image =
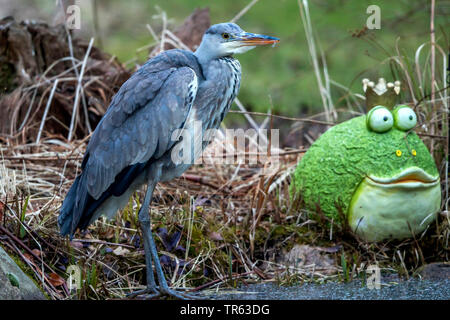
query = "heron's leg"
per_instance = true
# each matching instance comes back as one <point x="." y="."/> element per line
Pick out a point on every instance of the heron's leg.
<point x="151" y="253"/>
<point x="147" y="233"/>
<point x="144" y="220"/>
<point x="151" y="284"/>
<point x="163" y="286"/>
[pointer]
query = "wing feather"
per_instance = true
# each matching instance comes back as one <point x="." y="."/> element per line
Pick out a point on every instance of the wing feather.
<point x="139" y="124"/>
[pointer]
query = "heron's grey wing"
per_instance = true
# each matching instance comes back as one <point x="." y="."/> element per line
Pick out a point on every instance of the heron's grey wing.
<point x="139" y="124"/>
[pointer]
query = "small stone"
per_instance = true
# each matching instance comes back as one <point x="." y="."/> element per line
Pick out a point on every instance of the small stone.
<point x="435" y="271"/>
<point x="312" y="259"/>
<point x="14" y="283"/>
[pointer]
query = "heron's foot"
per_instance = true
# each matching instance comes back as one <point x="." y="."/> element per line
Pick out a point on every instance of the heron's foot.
<point x="153" y="293"/>
<point x="149" y="291"/>
<point x="171" y="293"/>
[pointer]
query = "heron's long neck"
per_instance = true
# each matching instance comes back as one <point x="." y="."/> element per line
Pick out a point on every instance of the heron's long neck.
<point x="204" y="54"/>
<point x="211" y="65"/>
<point x="207" y="54"/>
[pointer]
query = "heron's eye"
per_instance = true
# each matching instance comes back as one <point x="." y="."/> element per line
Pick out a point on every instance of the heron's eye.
<point x="405" y="118"/>
<point x="226" y="36"/>
<point x="380" y="119"/>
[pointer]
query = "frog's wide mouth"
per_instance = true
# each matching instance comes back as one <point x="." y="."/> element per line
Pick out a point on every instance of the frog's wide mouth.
<point x="413" y="177"/>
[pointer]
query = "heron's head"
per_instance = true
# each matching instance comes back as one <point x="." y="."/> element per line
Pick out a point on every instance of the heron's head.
<point x="226" y="39"/>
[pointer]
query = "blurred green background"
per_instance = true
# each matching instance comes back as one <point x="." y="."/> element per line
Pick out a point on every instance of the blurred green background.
<point x="282" y="77"/>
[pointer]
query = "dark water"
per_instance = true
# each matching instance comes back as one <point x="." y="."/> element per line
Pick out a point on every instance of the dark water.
<point x="399" y="290"/>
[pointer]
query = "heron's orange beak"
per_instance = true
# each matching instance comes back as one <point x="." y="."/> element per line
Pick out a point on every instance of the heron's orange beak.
<point x="251" y="39"/>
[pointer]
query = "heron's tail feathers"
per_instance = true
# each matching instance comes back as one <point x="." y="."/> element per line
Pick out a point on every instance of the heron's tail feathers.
<point x="79" y="208"/>
<point x="65" y="219"/>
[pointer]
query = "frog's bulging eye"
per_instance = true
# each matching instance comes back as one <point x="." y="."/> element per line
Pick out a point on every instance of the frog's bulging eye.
<point x="380" y="119"/>
<point x="404" y="118"/>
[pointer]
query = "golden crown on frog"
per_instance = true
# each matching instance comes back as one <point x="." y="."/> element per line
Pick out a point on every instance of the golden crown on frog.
<point x="381" y="94"/>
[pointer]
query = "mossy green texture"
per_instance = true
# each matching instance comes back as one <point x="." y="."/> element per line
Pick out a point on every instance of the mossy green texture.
<point x="334" y="166"/>
<point x="13" y="279"/>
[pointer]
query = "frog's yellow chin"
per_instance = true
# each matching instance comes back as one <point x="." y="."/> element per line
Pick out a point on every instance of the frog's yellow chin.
<point x="396" y="207"/>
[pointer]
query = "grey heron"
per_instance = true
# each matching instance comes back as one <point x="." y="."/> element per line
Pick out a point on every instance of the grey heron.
<point x="133" y="143"/>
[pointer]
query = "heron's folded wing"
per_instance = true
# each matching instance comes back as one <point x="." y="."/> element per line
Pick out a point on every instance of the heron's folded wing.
<point x="138" y="124"/>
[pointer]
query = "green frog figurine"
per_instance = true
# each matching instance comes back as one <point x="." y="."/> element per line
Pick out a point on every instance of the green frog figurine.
<point x="375" y="169"/>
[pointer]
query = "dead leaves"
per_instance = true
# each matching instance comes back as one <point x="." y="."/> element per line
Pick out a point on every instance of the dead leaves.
<point x="2" y="210"/>
<point x="56" y="280"/>
<point x="215" y="236"/>
<point x="121" y="252"/>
